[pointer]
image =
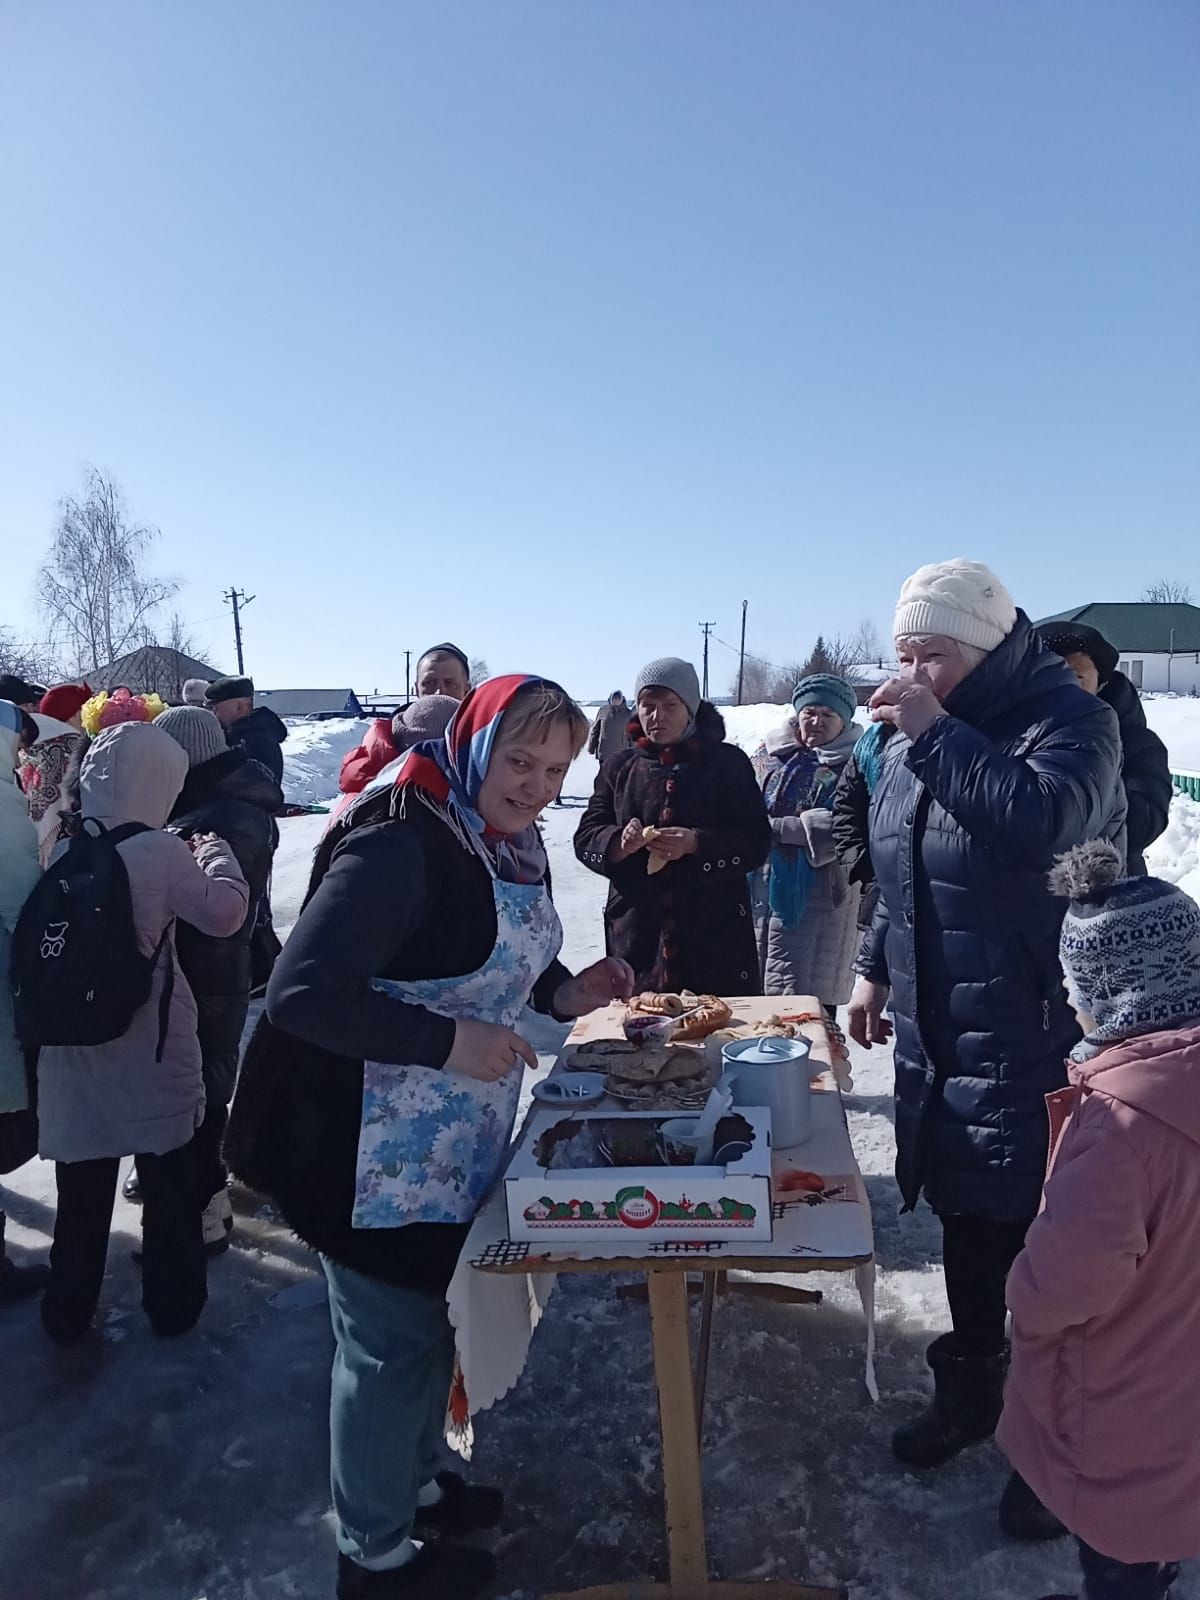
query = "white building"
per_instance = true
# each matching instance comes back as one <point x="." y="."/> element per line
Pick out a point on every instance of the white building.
<point x="1159" y="644"/>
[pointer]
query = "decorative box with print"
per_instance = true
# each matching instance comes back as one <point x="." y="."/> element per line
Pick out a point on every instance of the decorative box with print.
<point x="605" y="1175"/>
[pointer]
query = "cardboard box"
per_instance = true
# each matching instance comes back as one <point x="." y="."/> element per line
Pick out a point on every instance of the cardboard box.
<point x="636" y="1203"/>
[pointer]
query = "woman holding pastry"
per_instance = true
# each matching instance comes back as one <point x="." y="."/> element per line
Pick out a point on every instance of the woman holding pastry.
<point x="379" y="1093"/>
<point x="675" y="823"/>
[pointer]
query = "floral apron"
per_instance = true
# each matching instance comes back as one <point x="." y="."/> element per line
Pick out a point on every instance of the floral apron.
<point x="432" y="1141"/>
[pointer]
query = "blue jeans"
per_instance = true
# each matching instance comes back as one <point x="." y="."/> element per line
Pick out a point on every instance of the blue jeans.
<point x="1106" y="1579"/>
<point x="387" y="1403"/>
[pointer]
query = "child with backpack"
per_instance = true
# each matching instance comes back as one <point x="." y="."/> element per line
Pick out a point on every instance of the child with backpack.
<point x="98" y="987"/>
<point x="1102" y="1410"/>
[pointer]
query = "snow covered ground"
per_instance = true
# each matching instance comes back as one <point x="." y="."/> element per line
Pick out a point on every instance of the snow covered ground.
<point x="195" y="1469"/>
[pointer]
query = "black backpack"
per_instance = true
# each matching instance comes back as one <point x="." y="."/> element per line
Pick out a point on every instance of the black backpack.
<point x="78" y="976"/>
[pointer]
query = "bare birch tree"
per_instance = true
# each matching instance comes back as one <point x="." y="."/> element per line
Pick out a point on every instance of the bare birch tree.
<point x="32" y="660"/>
<point x="93" y="587"/>
<point x="1168" y="591"/>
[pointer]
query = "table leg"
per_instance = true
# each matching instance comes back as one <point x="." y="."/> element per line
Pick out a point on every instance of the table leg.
<point x="688" y="1558"/>
<point x="703" y="1345"/>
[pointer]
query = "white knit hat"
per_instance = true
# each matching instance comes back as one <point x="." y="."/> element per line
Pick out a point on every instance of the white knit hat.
<point x="961" y="600"/>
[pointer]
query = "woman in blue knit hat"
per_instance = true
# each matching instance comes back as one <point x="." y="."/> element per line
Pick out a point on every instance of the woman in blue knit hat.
<point x="805" y="907"/>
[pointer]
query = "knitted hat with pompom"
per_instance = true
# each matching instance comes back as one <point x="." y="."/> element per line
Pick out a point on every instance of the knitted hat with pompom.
<point x="1130" y="947"/>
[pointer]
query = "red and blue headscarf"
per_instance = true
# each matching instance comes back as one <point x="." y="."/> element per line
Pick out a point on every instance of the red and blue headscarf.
<point x="451" y="770"/>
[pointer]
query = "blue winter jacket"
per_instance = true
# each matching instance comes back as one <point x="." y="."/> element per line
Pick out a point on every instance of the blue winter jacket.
<point x="964" y="823"/>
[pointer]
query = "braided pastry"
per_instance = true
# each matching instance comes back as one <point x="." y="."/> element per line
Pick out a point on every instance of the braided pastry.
<point x="711" y="1013"/>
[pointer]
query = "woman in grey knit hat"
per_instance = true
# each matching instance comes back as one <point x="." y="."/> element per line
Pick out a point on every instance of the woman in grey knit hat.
<point x="675" y="823"/>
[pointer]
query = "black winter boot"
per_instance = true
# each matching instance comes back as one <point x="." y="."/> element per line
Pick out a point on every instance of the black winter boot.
<point x="437" y="1572"/>
<point x="968" y="1396"/>
<point x="463" y="1509"/>
<point x="1023" y="1516"/>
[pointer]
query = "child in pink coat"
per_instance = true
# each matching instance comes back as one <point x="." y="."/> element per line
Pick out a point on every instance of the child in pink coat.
<point x="1102" y="1409"/>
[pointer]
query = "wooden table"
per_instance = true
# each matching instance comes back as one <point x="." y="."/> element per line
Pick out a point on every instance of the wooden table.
<point x="680" y="1394"/>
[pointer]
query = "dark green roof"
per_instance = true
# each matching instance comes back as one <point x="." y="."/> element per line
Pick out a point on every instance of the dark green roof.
<point x="1138" y="626"/>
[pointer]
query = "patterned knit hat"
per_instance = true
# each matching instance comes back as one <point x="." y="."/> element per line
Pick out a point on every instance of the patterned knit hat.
<point x="824" y="689"/>
<point x="1130" y="947"/>
<point x="669" y="672"/>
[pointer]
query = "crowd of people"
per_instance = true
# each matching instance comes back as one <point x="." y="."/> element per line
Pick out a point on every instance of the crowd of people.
<point x="938" y="862"/>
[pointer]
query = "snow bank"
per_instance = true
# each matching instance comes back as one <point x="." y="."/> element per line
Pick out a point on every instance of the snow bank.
<point x="1176" y="855"/>
<point x="313" y="754"/>
<point x="1176" y="721"/>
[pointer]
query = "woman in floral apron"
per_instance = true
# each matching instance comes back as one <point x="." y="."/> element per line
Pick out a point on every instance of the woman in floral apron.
<point x="379" y="1095"/>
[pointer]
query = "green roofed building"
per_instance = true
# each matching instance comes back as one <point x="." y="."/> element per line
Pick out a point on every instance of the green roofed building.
<point x="1158" y="643"/>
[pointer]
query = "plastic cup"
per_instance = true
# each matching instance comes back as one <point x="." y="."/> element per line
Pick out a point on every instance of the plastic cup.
<point x="683" y="1148"/>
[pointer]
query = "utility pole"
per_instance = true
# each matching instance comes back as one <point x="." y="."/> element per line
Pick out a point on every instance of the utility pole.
<point x="236" y="598"/>
<point x="407" y="675"/>
<point x="706" y="628"/>
<point x="742" y="653"/>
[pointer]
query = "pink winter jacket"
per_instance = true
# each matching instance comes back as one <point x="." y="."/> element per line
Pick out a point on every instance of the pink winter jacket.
<point x="1102" y="1410"/>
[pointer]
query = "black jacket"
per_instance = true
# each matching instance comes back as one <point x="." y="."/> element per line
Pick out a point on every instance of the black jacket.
<point x="395" y="897"/>
<point x="234" y="797"/>
<point x="1145" y="769"/>
<point x="965" y="822"/>
<point x="688" y="926"/>
<point x="260" y="735"/>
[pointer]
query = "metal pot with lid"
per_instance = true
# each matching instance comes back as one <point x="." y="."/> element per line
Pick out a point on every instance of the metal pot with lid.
<point x="772" y="1072"/>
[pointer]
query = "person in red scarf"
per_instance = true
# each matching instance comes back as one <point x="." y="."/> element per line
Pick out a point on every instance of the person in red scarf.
<point x="441" y="671"/>
<point x="378" y="1097"/>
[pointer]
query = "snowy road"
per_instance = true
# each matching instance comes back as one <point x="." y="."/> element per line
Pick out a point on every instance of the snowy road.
<point x="132" y="1469"/>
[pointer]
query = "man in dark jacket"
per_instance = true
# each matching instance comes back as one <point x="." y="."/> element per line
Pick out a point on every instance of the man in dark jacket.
<point x="228" y="794"/>
<point x="999" y="762"/>
<point x="610" y="730"/>
<point x="259" y="732"/>
<point x="1145" y="769"/>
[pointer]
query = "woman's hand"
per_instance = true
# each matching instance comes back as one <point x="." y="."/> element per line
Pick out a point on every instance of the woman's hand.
<point x="486" y="1051"/>
<point x="908" y="704"/>
<point x="630" y="842"/>
<point x="596" y="986"/>
<point x="867" y="1024"/>
<point x="673" y="843"/>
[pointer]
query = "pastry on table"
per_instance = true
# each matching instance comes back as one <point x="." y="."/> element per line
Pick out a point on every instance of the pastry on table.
<point x="709" y="1012"/>
<point x="655" y="863"/>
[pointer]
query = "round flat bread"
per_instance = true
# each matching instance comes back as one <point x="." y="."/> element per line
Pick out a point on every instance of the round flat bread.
<point x="657" y="1064"/>
<point x="597" y="1054"/>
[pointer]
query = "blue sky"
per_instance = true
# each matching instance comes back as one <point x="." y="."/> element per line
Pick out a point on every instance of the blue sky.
<point x="560" y="327"/>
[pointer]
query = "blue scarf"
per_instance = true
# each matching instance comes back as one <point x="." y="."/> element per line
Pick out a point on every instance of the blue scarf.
<point x="792" y="784"/>
<point x="868" y="754"/>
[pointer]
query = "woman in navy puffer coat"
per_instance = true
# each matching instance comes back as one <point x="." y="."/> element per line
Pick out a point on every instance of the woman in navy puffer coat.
<point x="999" y="763"/>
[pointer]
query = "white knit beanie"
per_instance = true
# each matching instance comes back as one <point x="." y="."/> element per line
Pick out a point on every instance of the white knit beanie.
<point x="961" y="600"/>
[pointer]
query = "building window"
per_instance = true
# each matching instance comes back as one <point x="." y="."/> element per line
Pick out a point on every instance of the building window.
<point x="1135" y="674"/>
